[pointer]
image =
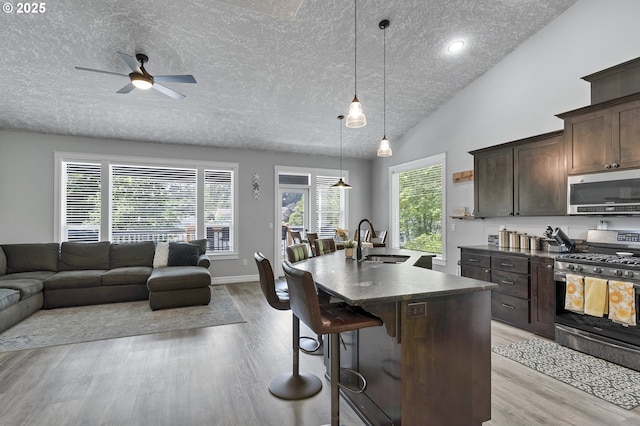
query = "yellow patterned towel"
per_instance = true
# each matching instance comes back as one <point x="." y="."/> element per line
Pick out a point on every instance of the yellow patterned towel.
<point x="574" y="294"/>
<point x="596" y="299"/>
<point x="622" y="304"/>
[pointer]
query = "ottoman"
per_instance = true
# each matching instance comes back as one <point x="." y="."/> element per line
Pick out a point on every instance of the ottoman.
<point x="177" y="286"/>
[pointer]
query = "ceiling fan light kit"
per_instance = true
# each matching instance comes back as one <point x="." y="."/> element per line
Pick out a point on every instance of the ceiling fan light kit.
<point x="141" y="79"/>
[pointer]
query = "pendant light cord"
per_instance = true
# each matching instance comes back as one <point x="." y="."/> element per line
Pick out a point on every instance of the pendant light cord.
<point x="340" y="124"/>
<point x="384" y="82"/>
<point x="355" y="47"/>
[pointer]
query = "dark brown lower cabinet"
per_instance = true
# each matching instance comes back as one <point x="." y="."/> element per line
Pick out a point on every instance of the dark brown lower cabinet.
<point x="543" y="297"/>
<point x="525" y="297"/>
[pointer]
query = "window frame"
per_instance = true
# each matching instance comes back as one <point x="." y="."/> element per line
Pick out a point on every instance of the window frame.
<point x="106" y="161"/>
<point x="394" y="205"/>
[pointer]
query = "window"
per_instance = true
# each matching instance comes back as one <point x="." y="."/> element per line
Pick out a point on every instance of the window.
<point x="330" y="206"/>
<point x="126" y="200"/>
<point x="417" y="205"/>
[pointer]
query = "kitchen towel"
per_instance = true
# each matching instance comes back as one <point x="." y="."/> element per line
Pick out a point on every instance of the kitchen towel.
<point x="622" y="304"/>
<point x="596" y="298"/>
<point x="574" y="294"/>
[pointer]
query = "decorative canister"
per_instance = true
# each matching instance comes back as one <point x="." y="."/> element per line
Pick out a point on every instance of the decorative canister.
<point x="524" y="240"/>
<point x="503" y="239"/>
<point x="514" y="240"/>
<point x="534" y="243"/>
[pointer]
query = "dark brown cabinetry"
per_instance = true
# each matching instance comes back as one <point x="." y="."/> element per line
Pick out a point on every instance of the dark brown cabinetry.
<point x="543" y="297"/>
<point x="525" y="296"/>
<point x="603" y="137"/>
<point x="521" y="178"/>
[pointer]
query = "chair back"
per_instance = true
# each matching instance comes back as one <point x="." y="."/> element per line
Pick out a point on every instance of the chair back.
<point x="380" y="240"/>
<point x="325" y="246"/>
<point x="297" y="252"/>
<point x="296" y="237"/>
<point x="365" y="235"/>
<point x="303" y="296"/>
<point x="311" y="238"/>
<point x="268" y="284"/>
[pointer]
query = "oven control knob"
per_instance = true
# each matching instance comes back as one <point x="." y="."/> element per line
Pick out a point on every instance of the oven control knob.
<point x="578" y="268"/>
<point x="628" y="274"/>
<point x="597" y="269"/>
<point x="617" y="272"/>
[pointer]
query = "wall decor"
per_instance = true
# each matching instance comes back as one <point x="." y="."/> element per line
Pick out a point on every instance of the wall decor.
<point x="256" y="186"/>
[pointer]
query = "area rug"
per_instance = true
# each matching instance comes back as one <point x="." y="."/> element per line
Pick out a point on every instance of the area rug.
<point x="52" y="327"/>
<point x="610" y="382"/>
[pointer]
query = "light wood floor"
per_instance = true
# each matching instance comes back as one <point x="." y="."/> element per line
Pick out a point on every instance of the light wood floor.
<point x="219" y="376"/>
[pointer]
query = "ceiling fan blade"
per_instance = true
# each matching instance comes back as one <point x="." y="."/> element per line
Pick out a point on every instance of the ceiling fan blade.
<point x="174" y="78"/>
<point x="126" y="89"/>
<point x="100" y="71"/>
<point x="168" y="92"/>
<point x="131" y="61"/>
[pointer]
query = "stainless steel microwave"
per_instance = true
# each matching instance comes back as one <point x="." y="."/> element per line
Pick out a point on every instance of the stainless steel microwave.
<point x="604" y="193"/>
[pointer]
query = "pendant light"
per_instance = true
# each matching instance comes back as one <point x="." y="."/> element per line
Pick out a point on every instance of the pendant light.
<point x="355" y="118"/>
<point x="341" y="183"/>
<point x="384" y="150"/>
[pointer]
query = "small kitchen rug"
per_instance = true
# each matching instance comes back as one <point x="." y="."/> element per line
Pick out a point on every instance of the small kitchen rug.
<point x="610" y="382"/>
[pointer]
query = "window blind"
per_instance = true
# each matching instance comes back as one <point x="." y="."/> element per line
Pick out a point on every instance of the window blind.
<point x="152" y="203"/>
<point x="330" y="206"/>
<point x="218" y="209"/>
<point x="81" y="201"/>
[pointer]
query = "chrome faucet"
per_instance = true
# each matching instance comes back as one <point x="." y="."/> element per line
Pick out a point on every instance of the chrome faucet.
<point x="373" y="235"/>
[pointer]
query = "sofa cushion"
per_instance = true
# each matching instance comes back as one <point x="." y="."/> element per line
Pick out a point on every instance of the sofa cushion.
<point x="126" y="275"/>
<point x="161" y="256"/>
<point x="27" y="288"/>
<point x="183" y="254"/>
<point x="31" y="257"/>
<point x="178" y="277"/>
<point x="74" y="279"/>
<point x="8" y="297"/>
<point x="84" y="256"/>
<point x="3" y="262"/>
<point x="33" y="275"/>
<point x="131" y="254"/>
<point x="202" y="245"/>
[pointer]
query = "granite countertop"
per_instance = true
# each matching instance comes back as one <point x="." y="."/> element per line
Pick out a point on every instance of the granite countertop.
<point x="375" y="282"/>
<point x="520" y="252"/>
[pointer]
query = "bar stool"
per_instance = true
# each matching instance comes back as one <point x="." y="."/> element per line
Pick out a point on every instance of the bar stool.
<point x="297" y="253"/>
<point x="331" y="318"/>
<point x="295" y="385"/>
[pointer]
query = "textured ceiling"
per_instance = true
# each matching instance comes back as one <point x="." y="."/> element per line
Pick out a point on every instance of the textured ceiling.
<point x="271" y="74"/>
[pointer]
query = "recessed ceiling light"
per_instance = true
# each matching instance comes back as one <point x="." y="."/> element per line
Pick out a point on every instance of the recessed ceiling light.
<point x="456" y="46"/>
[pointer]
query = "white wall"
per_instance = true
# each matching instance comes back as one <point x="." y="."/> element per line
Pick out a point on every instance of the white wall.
<point x="516" y="99"/>
<point x="27" y="186"/>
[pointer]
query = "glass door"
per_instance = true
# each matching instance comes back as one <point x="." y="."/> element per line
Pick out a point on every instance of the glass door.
<point x="294" y="218"/>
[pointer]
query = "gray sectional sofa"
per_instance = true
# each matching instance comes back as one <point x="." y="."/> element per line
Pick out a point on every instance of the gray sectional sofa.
<point x="52" y="275"/>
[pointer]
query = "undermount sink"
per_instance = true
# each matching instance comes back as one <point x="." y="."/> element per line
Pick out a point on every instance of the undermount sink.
<point x="385" y="258"/>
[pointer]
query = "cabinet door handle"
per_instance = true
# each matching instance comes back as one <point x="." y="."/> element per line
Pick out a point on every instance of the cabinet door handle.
<point x="506" y="264"/>
<point x="507" y="282"/>
<point x="486" y="270"/>
<point x="549" y="266"/>
<point x="473" y="260"/>
<point x="508" y="306"/>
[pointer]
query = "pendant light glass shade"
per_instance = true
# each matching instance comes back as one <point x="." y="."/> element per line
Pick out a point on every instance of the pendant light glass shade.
<point x="341" y="183"/>
<point x="355" y="118"/>
<point x="384" y="150"/>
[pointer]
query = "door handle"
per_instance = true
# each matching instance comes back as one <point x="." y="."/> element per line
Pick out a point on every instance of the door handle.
<point x="508" y="306"/>
<point x="506" y="264"/>
<point x="507" y="282"/>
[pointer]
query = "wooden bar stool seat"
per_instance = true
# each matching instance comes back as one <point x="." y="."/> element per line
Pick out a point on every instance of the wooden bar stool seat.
<point x="290" y="386"/>
<point x="331" y="319"/>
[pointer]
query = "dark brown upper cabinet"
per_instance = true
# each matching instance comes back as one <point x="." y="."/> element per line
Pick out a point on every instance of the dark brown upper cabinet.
<point x="521" y="178"/>
<point x="603" y="137"/>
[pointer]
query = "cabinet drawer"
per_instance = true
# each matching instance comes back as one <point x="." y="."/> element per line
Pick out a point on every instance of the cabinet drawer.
<point x="513" y="310"/>
<point x="519" y="265"/>
<point x="512" y="284"/>
<point x="475" y="272"/>
<point x="473" y="259"/>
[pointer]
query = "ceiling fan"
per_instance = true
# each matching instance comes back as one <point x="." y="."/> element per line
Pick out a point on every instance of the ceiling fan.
<point x="141" y="79"/>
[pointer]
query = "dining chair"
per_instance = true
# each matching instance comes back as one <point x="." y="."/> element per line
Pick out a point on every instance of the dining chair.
<point x="325" y="246"/>
<point x="380" y="240"/>
<point x="311" y="238"/>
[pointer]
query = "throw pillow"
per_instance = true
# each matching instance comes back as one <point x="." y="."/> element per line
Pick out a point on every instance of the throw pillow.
<point x="161" y="257"/>
<point x="183" y="254"/>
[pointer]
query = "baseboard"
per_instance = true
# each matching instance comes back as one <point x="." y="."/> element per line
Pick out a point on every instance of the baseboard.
<point x="235" y="279"/>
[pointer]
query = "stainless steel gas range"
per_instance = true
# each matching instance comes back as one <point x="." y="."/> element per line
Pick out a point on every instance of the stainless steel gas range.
<point x="611" y="255"/>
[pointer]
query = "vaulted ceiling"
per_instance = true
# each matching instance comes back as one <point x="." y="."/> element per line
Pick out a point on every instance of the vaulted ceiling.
<point x="271" y="74"/>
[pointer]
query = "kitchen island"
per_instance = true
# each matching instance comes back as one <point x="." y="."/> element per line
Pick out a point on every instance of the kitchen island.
<point x="430" y="362"/>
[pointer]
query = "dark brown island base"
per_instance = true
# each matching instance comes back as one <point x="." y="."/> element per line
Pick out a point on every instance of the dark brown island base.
<point x="430" y="362"/>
